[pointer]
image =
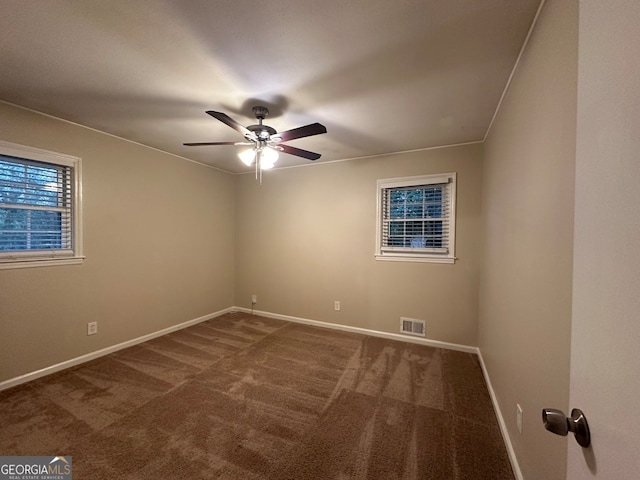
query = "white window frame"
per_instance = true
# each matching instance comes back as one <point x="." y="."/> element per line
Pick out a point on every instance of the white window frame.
<point x="41" y="258"/>
<point x="408" y="254"/>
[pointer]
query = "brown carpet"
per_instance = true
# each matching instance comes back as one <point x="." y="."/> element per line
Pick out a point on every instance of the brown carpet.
<point x="245" y="397"/>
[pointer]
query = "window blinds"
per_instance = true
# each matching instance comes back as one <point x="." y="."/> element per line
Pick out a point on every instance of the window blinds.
<point x="416" y="218"/>
<point x="35" y="206"/>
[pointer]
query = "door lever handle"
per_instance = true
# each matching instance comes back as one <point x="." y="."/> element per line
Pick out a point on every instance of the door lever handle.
<point x="557" y="422"/>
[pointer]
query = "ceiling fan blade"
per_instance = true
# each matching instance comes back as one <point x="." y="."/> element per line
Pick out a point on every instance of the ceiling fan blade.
<point x="197" y="144"/>
<point x="306" y="131"/>
<point x="226" y="119"/>
<point x="298" y="152"/>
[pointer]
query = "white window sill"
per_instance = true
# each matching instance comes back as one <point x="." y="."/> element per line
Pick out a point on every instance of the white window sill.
<point x="415" y="258"/>
<point x="40" y="262"/>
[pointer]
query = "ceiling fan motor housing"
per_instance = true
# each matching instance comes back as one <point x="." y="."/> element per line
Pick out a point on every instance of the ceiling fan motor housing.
<point x="262" y="131"/>
<point x="260" y="112"/>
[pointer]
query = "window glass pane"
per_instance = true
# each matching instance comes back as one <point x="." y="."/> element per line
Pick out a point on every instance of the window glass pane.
<point x="433" y="231"/>
<point x="415" y="211"/>
<point x="45" y="240"/>
<point x="414" y="228"/>
<point x="414" y="195"/>
<point x="434" y="211"/>
<point x="397" y="242"/>
<point x="396" y="228"/>
<point x="418" y="242"/>
<point x="29" y="184"/>
<point x="13" y="219"/>
<point x="397" y="210"/>
<point x="13" y="229"/>
<point x="9" y="194"/>
<point x="396" y="196"/>
<point x="23" y="229"/>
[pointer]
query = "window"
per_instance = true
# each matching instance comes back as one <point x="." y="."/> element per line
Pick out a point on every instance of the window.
<point x="416" y="218"/>
<point x="40" y="215"/>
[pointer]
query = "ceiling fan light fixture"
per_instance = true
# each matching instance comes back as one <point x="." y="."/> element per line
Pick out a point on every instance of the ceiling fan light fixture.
<point x="268" y="158"/>
<point x="247" y="156"/>
<point x="269" y="155"/>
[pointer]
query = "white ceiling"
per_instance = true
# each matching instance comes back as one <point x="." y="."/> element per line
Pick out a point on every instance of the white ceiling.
<point x="382" y="75"/>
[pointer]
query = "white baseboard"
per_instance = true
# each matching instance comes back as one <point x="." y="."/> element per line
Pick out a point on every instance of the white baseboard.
<point x="503" y="426"/>
<point x="364" y="331"/>
<point x="106" y="351"/>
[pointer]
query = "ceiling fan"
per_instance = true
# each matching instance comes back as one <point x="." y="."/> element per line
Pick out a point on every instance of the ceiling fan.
<point x="264" y="141"/>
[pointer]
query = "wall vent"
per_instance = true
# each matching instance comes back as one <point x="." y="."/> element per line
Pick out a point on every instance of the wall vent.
<point x="412" y="326"/>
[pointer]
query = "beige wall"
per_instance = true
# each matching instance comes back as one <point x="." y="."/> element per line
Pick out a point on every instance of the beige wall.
<point x="158" y="240"/>
<point x="303" y="240"/>
<point x="307" y="238"/>
<point x="526" y="282"/>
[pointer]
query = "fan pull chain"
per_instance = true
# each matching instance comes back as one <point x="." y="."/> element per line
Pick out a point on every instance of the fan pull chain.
<point x="259" y="165"/>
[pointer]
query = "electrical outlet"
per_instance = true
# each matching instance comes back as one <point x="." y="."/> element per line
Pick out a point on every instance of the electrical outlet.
<point x="519" y="417"/>
<point x="336" y="306"/>
<point x="92" y="328"/>
<point x="254" y="299"/>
